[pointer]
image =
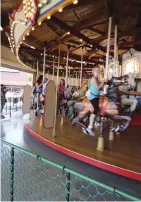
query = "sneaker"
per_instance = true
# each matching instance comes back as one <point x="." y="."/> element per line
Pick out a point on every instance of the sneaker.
<point x="2" y="117"/>
<point x="91" y="133"/>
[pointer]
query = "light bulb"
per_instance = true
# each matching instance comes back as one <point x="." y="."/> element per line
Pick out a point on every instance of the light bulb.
<point x="80" y="40"/>
<point x="68" y="33"/>
<point x="39" y="23"/>
<point x="33" y="28"/>
<point x="75" y="1"/>
<point x="40" y="5"/>
<point x="49" y="17"/>
<point x="60" y="10"/>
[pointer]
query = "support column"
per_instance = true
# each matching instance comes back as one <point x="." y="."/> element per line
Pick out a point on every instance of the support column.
<point x="76" y="79"/>
<point x="67" y="63"/>
<point x="44" y="64"/>
<point x="37" y="70"/>
<point x="107" y="54"/>
<point x="108" y="47"/>
<point x="53" y="68"/>
<point x="55" y="111"/>
<point x="115" y="52"/>
<point x="81" y="67"/>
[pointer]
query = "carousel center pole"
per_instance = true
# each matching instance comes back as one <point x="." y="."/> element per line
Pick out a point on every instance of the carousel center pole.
<point x="55" y="111"/>
<point x="81" y="67"/>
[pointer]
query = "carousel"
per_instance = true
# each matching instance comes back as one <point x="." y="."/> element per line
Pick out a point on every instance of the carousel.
<point x="63" y="42"/>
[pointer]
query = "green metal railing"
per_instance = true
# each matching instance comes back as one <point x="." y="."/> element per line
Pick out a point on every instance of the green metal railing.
<point x="29" y="177"/>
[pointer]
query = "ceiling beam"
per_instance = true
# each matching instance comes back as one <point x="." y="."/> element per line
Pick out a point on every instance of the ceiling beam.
<point x="97" y="31"/>
<point x="75" y="32"/>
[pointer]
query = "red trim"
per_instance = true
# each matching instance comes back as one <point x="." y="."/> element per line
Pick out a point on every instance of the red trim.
<point x="17" y="10"/>
<point x="105" y="166"/>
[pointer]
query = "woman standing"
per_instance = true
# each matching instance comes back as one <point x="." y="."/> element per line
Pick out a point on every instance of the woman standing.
<point x="61" y="90"/>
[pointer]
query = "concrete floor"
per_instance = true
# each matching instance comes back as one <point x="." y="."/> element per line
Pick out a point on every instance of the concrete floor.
<point x="12" y="130"/>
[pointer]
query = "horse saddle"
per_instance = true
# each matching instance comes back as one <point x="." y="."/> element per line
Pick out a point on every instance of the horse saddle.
<point x="105" y="106"/>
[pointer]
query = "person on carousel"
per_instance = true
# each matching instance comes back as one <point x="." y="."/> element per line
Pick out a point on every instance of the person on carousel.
<point x="93" y="96"/>
<point x="33" y="95"/>
<point x="44" y="87"/>
<point x="39" y="85"/>
<point x="125" y="100"/>
<point x="61" y="91"/>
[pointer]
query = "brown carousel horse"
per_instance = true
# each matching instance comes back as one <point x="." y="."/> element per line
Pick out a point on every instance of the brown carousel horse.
<point x="109" y="107"/>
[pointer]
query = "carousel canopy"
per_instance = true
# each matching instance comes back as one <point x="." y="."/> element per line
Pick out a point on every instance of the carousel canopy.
<point x="82" y="25"/>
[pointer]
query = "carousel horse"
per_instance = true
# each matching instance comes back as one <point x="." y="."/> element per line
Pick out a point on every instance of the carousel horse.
<point x="77" y="95"/>
<point x="109" y="107"/>
<point x="129" y="104"/>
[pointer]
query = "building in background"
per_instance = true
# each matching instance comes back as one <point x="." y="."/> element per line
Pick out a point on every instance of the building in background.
<point x="15" y="79"/>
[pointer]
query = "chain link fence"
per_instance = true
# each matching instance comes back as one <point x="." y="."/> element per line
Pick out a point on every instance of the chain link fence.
<point x="29" y="177"/>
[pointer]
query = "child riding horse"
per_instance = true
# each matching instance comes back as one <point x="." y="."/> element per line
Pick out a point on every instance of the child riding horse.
<point x="109" y="106"/>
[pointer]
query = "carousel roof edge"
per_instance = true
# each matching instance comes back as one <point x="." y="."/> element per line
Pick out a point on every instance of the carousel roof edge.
<point x="23" y="20"/>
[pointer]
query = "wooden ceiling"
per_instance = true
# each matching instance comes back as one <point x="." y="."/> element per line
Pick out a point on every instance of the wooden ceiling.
<point x="87" y="20"/>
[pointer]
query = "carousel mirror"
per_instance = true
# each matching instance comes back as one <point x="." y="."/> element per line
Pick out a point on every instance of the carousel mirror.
<point x="131" y="66"/>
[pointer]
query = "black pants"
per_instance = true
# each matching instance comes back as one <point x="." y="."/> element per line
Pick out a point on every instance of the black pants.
<point x="95" y="103"/>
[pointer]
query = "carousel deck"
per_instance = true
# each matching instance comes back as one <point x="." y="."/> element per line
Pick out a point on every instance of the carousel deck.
<point x="121" y="156"/>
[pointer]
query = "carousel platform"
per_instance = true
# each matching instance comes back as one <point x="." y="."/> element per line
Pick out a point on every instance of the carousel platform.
<point x="121" y="156"/>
